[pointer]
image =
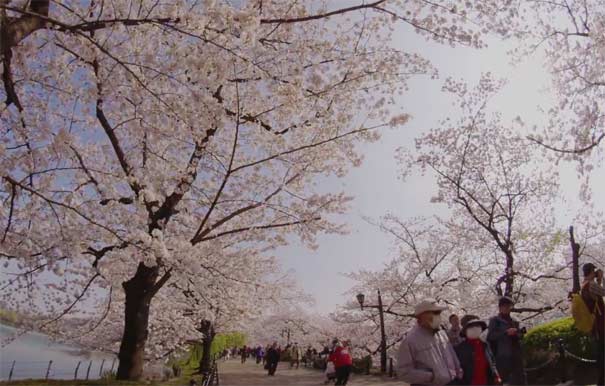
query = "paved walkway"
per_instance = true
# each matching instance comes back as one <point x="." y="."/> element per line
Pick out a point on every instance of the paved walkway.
<point x="233" y="373"/>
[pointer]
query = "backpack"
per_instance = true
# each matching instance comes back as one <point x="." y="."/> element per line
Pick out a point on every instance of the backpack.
<point x="583" y="318"/>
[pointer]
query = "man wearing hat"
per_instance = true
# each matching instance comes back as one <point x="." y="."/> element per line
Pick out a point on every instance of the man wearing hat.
<point x="476" y="359"/>
<point x="426" y="356"/>
<point x="504" y="337"/>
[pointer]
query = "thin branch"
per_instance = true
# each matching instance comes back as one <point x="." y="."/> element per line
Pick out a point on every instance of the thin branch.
<point x="269" y="226"/>
<point x="581" y="150"/>
<point x="322" y="15"/>
<point x="80" y="296"/>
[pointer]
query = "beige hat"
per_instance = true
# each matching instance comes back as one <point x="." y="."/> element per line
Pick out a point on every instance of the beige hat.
<point x="428" y="305"/>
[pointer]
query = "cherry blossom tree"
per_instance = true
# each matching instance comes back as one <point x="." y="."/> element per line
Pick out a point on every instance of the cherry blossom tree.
<point x="501" y="196"/>
<point x="140" y="139"/>
<point x="427" y="264"/>
<point x="569" y="34"/>
<point x="291" y="322"/>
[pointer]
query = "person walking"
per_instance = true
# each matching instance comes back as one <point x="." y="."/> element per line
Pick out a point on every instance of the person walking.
<point x="426" y="356"/>
<point x="272" y="359"/>
<point x="308" y="357"/>
<point x="260" y="354"/>
<point x="475" y="357"/>
<point x="453" y="333"/>
<point x="330" y="370"/>
<point x="295" y="355"/>
<point x="343" y="363"/>
<point x="266" y="352"/>
<point x="504" y="337"/>
<point x="244" y="354"/>
<point x="592" y="293"/>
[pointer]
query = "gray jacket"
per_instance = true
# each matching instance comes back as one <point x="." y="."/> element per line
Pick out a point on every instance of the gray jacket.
<point x="424" y="356"/>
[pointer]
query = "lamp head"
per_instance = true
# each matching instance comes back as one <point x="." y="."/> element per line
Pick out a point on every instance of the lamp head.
<point x="361" y="298"/>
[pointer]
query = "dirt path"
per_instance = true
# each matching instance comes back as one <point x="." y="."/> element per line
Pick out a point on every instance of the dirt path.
<point x="233" y="373"/>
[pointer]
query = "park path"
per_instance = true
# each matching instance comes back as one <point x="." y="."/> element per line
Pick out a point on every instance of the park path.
<point x="233" y="373"/>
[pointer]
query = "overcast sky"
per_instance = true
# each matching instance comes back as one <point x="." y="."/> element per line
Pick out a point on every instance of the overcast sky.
<point x="376" y="186"/>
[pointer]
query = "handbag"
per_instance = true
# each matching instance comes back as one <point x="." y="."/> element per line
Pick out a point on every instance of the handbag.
<point x="330" y="369"/>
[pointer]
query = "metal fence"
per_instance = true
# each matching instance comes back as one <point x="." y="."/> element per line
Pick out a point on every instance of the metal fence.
<point x="559" y="358"/>
<point x="211" y="378"/>
<point x="83" y="370"/>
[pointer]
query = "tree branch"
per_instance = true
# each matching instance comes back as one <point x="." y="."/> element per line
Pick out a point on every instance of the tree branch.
<point x="322" y="15"/>
<point x="595" y="142"/>
<point x="269" y="226"/>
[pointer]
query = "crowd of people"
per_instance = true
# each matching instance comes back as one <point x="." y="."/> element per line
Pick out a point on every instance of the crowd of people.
<point x="270" y="355"/>
<point x="471" y="351"/>
<point x="336" y="357"/>
<point x="475" y="352"/>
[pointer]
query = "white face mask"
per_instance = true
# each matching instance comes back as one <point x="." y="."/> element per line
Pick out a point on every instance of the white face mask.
<point x="436" y="322"/>
<point x="473" y="332"/>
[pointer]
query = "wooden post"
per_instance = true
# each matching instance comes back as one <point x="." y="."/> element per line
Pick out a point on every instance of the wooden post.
<point x="391" y="368"/>
<point x="112" y="365"/>
<point x="101" y="368"/>
<point x="561" y="365"/>
<point x="88" y="371"/>
<point x="48" y="369"/>
<point x="575" y="261"/>
<point x="76" y="372"/>
<point x="10" y="374"/>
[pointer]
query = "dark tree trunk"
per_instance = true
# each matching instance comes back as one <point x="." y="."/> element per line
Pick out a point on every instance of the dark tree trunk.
<point x="575" y="261"/>
<point x="139" y="291"/>
<point x="206" y="328"/>
<point x="510" y="275"/>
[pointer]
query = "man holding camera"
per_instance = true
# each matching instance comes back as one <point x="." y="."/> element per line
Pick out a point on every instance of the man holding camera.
<point x="592" y="294"/>
<point x="505" y="337"/>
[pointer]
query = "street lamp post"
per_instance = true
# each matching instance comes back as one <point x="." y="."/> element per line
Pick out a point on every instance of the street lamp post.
<point x="383" y="338"/>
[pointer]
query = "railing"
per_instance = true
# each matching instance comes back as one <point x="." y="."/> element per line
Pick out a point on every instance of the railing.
<point x="211" y="378"/>
<point x="83" y="370"/>
<point x="560" y="357"/>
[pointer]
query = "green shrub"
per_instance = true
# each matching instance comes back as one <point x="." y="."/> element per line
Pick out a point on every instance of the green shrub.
<point x="540" y="347"/>
<point x="361" y="365"/>
<point x="189" y="361"/>
<point x="10" y="318"/>
<point x="543" y="338"/>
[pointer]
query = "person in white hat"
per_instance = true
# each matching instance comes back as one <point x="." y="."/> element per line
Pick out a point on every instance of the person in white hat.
<point x="426" y="356"/>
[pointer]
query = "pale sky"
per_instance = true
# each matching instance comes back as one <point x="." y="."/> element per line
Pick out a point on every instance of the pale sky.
<point x="376" y="186"/>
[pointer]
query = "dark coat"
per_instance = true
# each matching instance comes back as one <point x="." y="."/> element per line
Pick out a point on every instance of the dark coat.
<point x="507" y="350"/>
<point x="465" y="354"/>
<point x="272" y="356"/>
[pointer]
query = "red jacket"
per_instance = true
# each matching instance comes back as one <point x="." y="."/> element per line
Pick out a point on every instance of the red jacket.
<point x="341" y="357"/>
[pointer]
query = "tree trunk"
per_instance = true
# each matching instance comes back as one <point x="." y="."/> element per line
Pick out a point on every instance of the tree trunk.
<point x="206" y="328"/>
<point x="575" y="261"/>
<point x="139" y="291"/>
<point x="509" y="281"/>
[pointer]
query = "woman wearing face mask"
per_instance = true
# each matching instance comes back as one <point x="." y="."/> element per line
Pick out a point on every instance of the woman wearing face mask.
<point x="476" y="359"/>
